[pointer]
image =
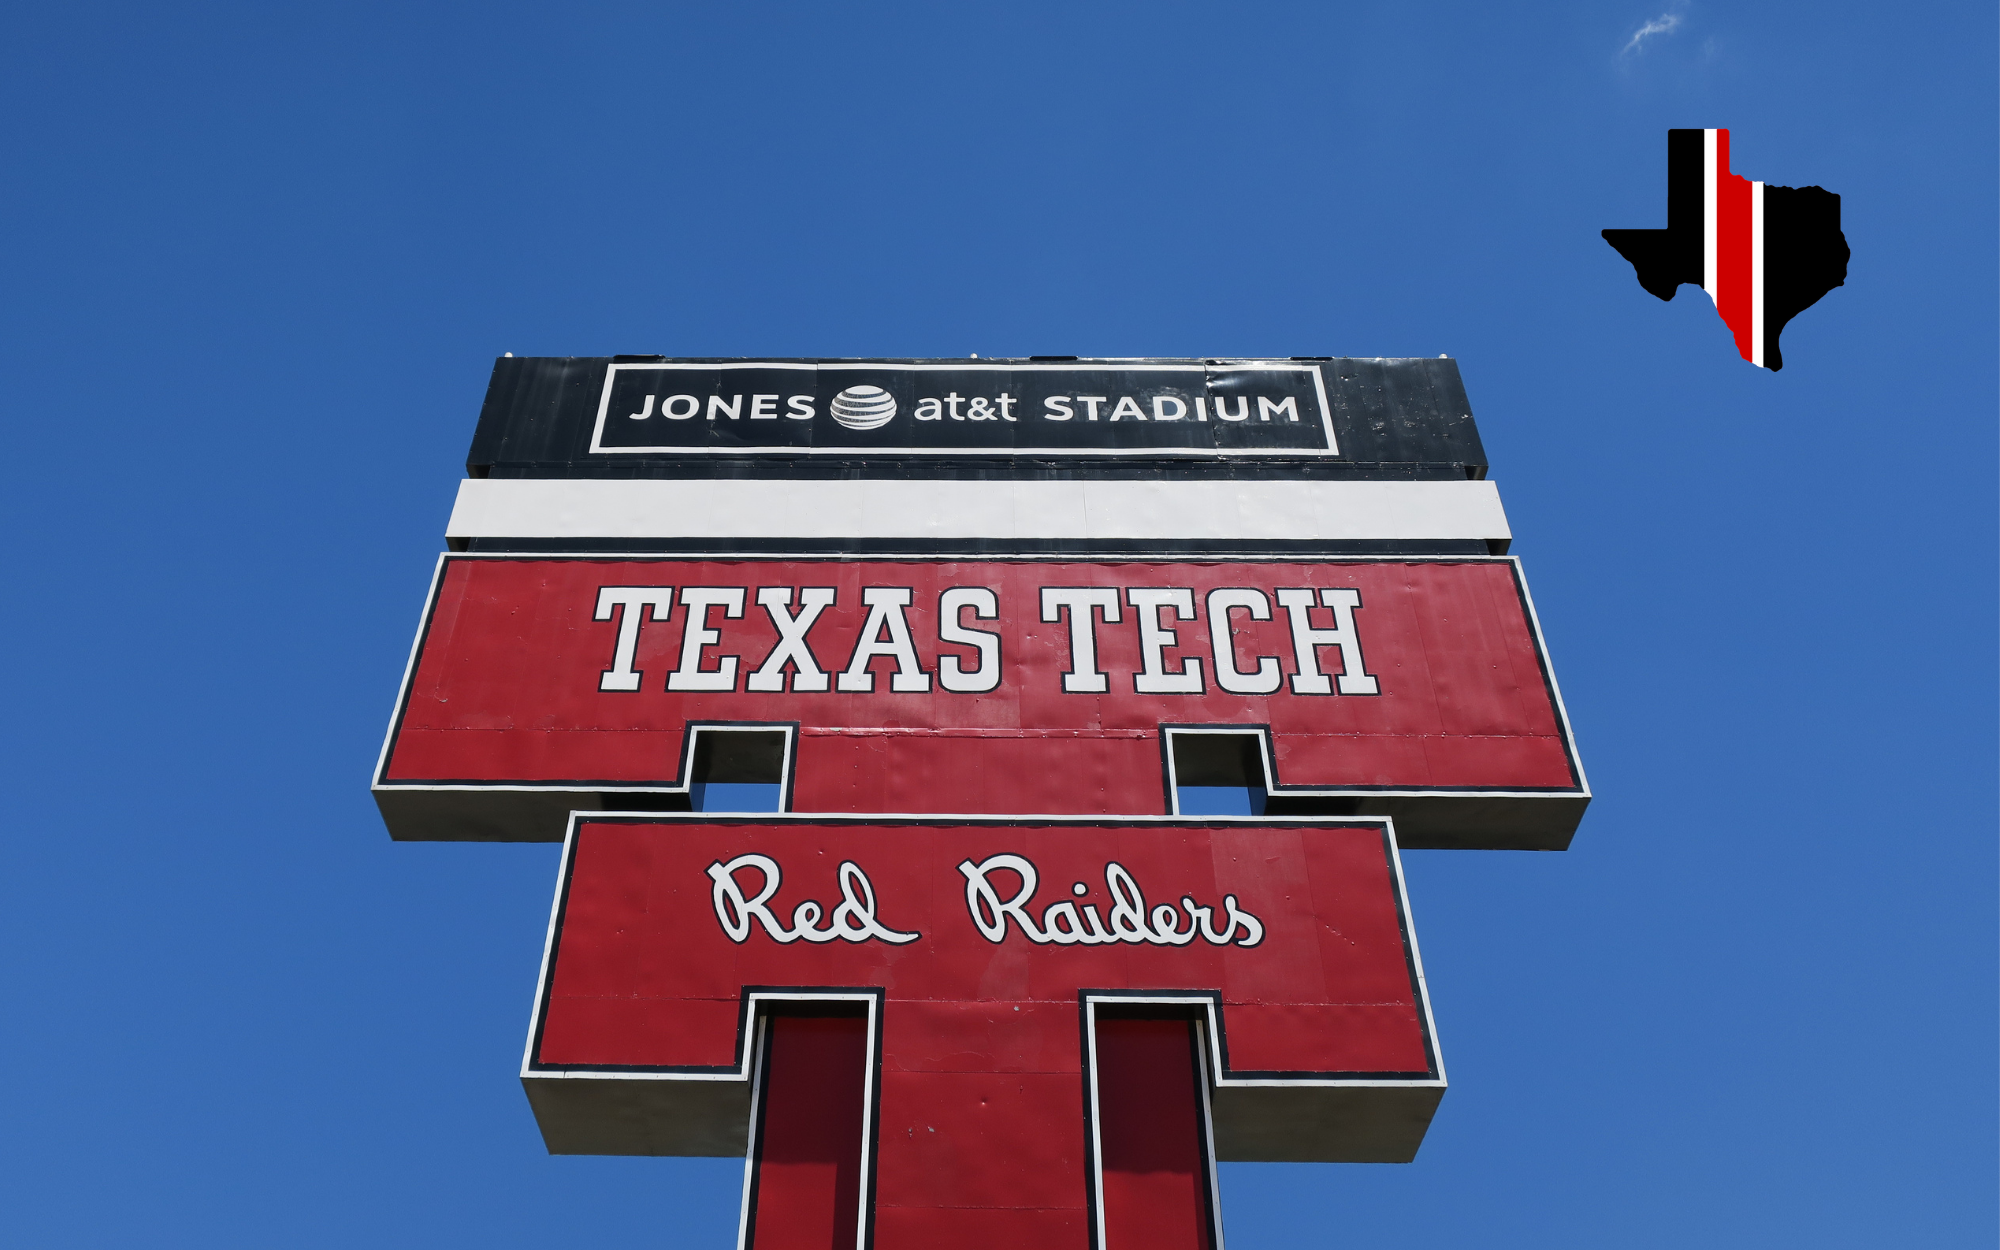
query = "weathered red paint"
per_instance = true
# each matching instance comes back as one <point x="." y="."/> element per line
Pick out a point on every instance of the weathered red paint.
<point x="1150" y="1126"/>
<point x="806" y="1178"/>
<point x="505" y="688"/>
<point x="980" y="1134"/>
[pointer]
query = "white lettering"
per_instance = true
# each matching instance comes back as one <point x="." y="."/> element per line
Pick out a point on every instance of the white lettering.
<point x="1222" y="641"/>
<point x="736" y="912"/>
<point x="929" y="410"/>
<point x="1079" y="602"/>
<point x="1130" y="921"/>
<point x="1090" y="403"/>
<point x="853" y="921"/>
<point x="643" y="413"/>
<point x="799" y="407"/>
<point x="806" y="672"/>
<point x="1126" y="405"/>
<point x="627" y="600"/>
<point x="696" y="635"/>
<point x="734" y="407"/>
<point x="1253" y="929"/>
<point x="1058" y="408"/>
<point x="763" y="407"/>
<point x="1354" y="677"/>
<point x="1128" y="907"/>
<point x="671" y="410"/>
<point x="1159" y="408"/>
<point x="1289" y="406"/>
<point x="951" y="628"/>
<point x="885" y="613"/>
<point x="989" y="913"/>
<point x="1155" y="639"/>
<point x="1071" y="932"/>
<point x="1242" y="412"/>
<point x="1166" y="926"/>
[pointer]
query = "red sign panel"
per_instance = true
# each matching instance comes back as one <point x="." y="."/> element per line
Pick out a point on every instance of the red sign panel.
<point x="985" y="951"/>
<point x="1013" y="685"/>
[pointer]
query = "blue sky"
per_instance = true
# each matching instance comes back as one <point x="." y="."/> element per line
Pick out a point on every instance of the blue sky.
<point x="258" y="261"/>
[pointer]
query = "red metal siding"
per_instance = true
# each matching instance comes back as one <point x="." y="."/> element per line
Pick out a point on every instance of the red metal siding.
<point x="506" y="687"/>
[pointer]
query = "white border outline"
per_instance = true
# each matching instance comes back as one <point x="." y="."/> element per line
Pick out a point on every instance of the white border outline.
<point x="380" y="785"/>
<point x="1205" y="1078"/>
<point x="410" y="667"/>
<point x="689" y="741"/>
<point x="873" y="1062"/>
<point x="755" y="1004"/>
<point x="1208" y="1022"/>
<point x="744" y="1068"/>
<point x="1332" y="447"/>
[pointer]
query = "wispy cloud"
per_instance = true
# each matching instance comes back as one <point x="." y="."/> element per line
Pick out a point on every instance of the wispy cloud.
<point x="1665" y="24"/>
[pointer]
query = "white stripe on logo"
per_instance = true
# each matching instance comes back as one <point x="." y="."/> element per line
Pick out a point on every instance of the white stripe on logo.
<point x="1708" y="215"/>
<point x="1757" y="273"/>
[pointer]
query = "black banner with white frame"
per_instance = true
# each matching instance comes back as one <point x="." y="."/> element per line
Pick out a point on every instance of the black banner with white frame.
<point x="637" y="416"/>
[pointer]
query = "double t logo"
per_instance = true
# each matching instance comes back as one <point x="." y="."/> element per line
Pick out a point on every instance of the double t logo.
<point x="957" y="1054"/>
<point x="929" y="1029"/>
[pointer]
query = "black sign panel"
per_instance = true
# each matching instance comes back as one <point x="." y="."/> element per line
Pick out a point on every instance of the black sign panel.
<point x="957" y="409"/>
<point x="656" y="416"/>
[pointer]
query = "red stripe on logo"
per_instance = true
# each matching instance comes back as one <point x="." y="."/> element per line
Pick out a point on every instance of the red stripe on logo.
<point x="1732" y="248"/>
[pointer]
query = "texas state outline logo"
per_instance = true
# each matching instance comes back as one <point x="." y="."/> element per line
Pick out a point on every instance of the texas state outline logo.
<point x="1764" y="254"/>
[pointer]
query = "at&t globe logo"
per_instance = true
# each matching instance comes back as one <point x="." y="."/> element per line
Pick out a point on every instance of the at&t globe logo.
<point x="864" y="407"/>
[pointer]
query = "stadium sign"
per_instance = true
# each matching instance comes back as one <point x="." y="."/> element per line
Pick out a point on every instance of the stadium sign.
<point x="601" y="416"/>
<point x="981" y="782"/>
<point x="933" y="409"/>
